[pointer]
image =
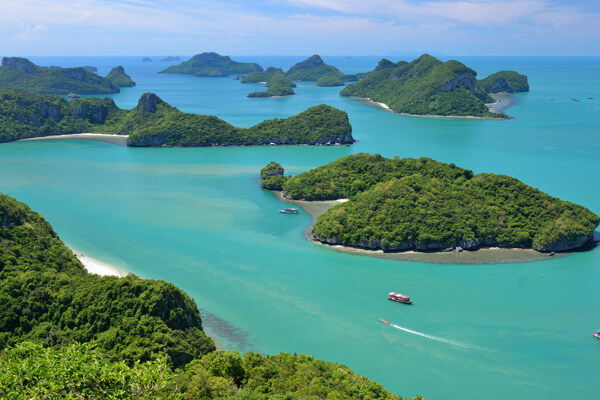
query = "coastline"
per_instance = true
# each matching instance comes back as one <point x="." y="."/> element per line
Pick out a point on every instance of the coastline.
<point x="112" y="138"/>
<point x="503" y="100"/>
<point x="97" y="267"/>
<point x="483" y="255"/>
<point x="371" y="102"/>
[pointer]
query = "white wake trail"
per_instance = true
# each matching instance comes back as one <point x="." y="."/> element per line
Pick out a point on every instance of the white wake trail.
<point x="441" y="339"/>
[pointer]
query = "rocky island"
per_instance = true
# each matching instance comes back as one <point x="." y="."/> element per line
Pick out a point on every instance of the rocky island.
<point x="171" y="59"/>
<point x="146" y="59"/>
<point x="87" y="336"/>
<point x="425" y="205"/>
<point x="429" y="87"/>
<point x="155" y="123"/>
<point x="314" y="68"/>
<point x="212" y="65"/>
<point x="21" y="73"/>
<point x="118" y="77"/>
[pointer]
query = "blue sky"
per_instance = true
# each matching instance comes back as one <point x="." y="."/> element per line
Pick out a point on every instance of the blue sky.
<point x="296" y="27"/>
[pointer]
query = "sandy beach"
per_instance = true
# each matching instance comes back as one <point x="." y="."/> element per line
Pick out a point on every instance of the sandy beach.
<point x="97" y="267"/>
<point x="120" y="140"/>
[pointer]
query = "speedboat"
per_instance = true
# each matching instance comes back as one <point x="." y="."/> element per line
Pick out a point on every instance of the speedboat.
<point x="400" y="298"/>
<point x="597" y="333"/>
<point x="384" y="321"/>
<point x="289" y="211"/>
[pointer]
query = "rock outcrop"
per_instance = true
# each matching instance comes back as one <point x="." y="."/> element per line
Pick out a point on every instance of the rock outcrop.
<point x="148" y="102"/>
<point x="18" y="63"/>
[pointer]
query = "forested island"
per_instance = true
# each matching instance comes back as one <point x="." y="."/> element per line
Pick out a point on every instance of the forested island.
<point x="155" y="123"/>
<point x="212" y="65"/>
<point x="428" y="86"/>
<point x="278" y="84"/>
<point x="21" y="73"/>
<point x="118" y="77"/>
<point x="425" y="205"/>
<point x="65" y="333"/>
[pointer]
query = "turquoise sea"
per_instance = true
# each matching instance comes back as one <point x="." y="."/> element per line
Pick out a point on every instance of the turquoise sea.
<point x="197" y="218"/>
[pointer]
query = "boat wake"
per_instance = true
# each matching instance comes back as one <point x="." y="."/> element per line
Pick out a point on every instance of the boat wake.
<point x="440" y="339"/>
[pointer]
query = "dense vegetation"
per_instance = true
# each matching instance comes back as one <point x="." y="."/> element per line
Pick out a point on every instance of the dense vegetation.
<point x="118" y="77"/>
<point x="312" y="69"/>
<point x="155" y="123"/>
<point x="330" y="80"/>
<point x="425" y="86"/>
<point x="212" y="65"/>
<point x="30" y="371"/>
<point x="21" y="73"/>
<point x="66" y="334"/>
<point x="46" y="296"/>
<point x="271" y="176"/>
<point x="505" y="81"/>
<point x="267" y="76"/>
<point x="278" y="85"/>
<point x="427" y="205"/>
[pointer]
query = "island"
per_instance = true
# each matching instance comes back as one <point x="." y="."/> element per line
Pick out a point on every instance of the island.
<point x="330" y="80"/>
<point x="429" y="87"/>
<point x="154" y="123"/>
<point x="425" y="205"/>
<point x="171" y="59"/>
<point x="278" y="85"/>
<point x="20" y="73"/>
<point x="314" y="68"/>
<point x="67" y="333"/>
<point x="212" y="65"/>
<point x="505" y="82"/>
<point x="146" y="59"/>
<point x="118" y="77"/>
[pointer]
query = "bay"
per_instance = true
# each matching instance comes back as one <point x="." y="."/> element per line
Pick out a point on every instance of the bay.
<point x="197" y="218"/>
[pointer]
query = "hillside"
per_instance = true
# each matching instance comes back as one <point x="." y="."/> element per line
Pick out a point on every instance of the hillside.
<point x="65" y="333"/>
<point x="212" y="65"/>
<point x="505" y="81"/>
<point x="155" y="123"/>
<point x="21" y="73"/>
<point x="312" y="69"/>
<point x="425" y="86"/>
<point x="118" y="77"/>
<point x="278" y="85"/>
<point x="422" y="204"/>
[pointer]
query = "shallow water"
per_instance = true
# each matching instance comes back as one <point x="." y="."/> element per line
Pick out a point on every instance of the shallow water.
<point x="197" y="218"/>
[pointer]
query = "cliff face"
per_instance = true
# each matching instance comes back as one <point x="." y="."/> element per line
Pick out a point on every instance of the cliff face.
<point x="19" y="64"/>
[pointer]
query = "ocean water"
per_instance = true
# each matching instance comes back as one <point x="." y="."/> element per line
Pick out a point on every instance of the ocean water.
<point x="197" y="218"/>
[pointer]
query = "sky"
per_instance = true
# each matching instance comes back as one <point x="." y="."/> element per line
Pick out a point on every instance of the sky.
<point x="298" y="27"/>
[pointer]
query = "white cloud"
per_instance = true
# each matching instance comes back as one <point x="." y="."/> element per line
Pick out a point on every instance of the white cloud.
<point x="36" y="32"/>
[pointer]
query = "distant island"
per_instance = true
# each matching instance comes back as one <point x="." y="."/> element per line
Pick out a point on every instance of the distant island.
<point x="277" y="82"/>
<point x="314" y="68"/>
<point x="330" y="80"/>
<point x="430" y="87"/>
<point x="154" y="123"/>
<point x="21" y="73"/>
<point x="425" y="205"/>
<point x="86" y="336"/>
<point x="171" y="59"/>
<point x="118" y="77"/>
<point x="146" y="59"/>
<point x="212" y="65"/>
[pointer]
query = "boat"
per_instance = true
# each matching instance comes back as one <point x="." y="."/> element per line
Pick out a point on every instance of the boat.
<point x="384" y="321"/>
<point x="400" y="298"/>
<point x="597" y="333"/>
<point x="289" y="211"/>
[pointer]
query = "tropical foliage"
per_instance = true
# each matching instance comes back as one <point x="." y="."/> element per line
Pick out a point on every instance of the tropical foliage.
<point x="22" y="74"/>
<point x="505" y="81"/>
<point x="330" y="80"/>
<point x="425" y="86"/>
<point x="155" y="123"/>
<point x="118" y="77"/>
<point x="212" y="65"/>
<point x="312" y="69"/>
<point x="424" y="204"/>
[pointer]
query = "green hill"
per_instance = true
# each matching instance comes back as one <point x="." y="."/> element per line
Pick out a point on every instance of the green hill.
<point x="278" y="85"/>
<point x="505" y="81"/>
<point x="425" y="86"/>
<point x="423" y="204"/>
<point x="330" y="80"/>
<point x="22" y="74"/>
<point x="312" y="69"/>
<point x="212" y="65"/>
<point x="118" y="77"/>
<point x="155" y="123"/>
<point x="66" y="334"/>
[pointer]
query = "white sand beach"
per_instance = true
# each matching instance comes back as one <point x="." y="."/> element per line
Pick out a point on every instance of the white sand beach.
<point x="97" y="267"/>
<point x="102" y="137"/>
